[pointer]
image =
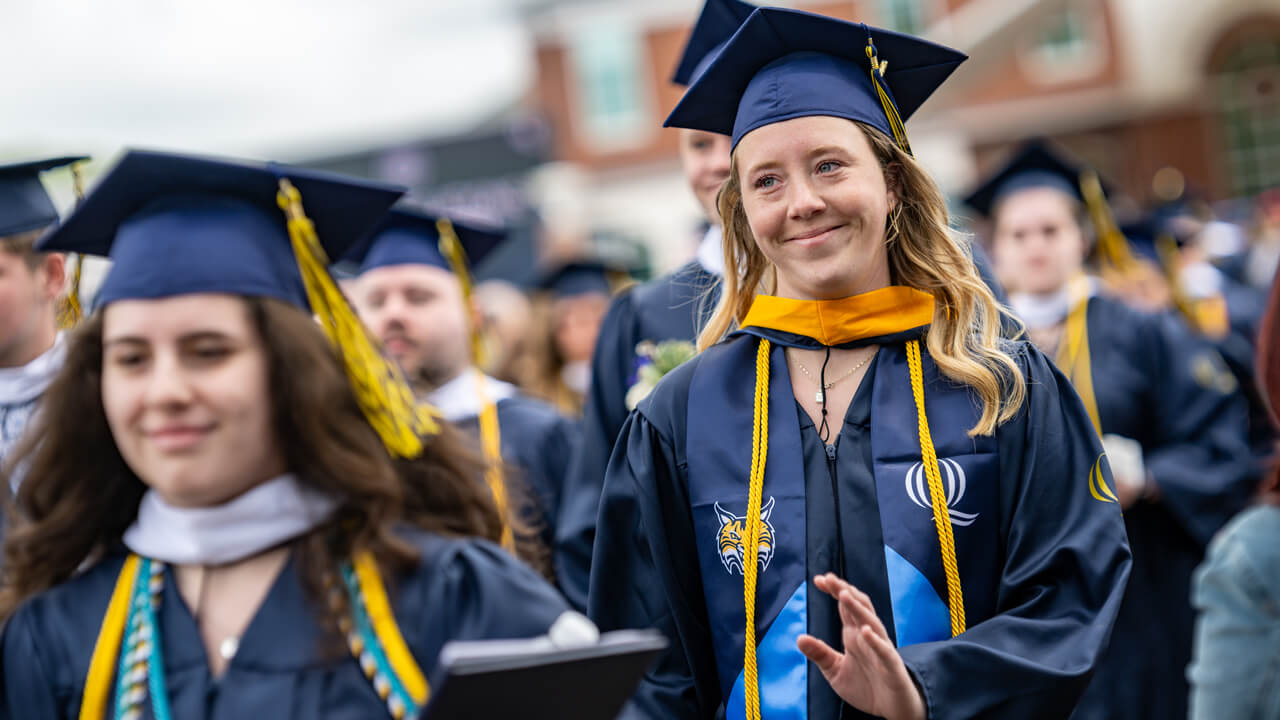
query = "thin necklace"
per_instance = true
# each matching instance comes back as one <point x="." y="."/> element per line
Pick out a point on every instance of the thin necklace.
<point x="818" y="397"/>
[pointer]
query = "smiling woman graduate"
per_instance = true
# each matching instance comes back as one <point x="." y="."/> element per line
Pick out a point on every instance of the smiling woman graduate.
<point x="226" y="516"/>
<point x="856" y="470"/>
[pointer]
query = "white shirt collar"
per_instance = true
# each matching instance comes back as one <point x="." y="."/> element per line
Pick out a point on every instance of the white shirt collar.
<point x="711" y="251"/>
<point x="459" y="399"/>
<point x="28" y="382"/>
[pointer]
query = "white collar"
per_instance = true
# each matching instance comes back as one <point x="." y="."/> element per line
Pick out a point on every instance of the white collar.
<point x="459" y="399"/>
<point x="28" y="382"/>
<point x="1041" y="310"/>
<point x="1044" y="310"/>
<point x="259" y="519"/>
<point x="711" y="251"/>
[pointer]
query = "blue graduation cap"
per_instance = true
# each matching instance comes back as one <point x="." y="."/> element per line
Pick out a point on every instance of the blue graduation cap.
<point x="409" y="236"/>
<point x="1034" y="165"/>
<point x="785" y="64"/>
<point x="580" y="277"/>
<point x="717" y="22"/>
<point x="24" y="203"/>
<point x="180" y="224"/>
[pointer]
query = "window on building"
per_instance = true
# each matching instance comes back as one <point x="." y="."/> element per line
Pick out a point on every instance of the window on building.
<point x="1064" y="37"/>
<point x="1248" y="90"/>
<point x="904" y="16"/>
<point x="608" y="66"/>
<point x="1067" y="45"/>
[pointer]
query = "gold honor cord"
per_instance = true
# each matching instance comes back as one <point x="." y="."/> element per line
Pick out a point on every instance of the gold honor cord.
<point x="878" y="70"/>
<point x="751" y="543"/>
<point x="70" y="311"/>
<point x="941" y="512"/>
<point x="490" y="429"/>
<point x="755" y="494"/>
<point x="380" y="388"/>
<point x="1073" y="352"/>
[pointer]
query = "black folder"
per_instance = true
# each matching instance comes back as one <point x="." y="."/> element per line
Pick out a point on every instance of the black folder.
<point x="534" y="680"/>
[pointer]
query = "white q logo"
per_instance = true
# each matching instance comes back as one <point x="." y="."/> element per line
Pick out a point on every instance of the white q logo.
<point x="953" y="483"/>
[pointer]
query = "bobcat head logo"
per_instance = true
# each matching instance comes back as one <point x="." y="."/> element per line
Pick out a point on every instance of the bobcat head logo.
<point x="733" y="529"/>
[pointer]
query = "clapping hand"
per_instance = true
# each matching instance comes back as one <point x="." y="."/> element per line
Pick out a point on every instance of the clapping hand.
<point x="869" y="674"/>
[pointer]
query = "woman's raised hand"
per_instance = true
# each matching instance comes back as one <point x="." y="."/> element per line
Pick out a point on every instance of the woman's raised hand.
<point x="869" y="674"/>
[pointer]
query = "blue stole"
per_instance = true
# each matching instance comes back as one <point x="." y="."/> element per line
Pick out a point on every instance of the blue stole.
<point x="720" y="410"/>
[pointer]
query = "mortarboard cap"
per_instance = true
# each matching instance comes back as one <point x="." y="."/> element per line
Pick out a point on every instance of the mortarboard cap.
<point x="24" y="203"/>
<point x="409" y="236"/>
<point x="580" y="277"/>
<point x="1034" y="165"/>
<point x="785" y="64"/>
<point x="180" y="224"/>
<point x="716" y="23"/>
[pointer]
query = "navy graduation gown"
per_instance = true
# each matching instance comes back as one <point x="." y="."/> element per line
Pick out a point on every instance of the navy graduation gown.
<point x="1056" y="587"/>
<point x="1159" y="384"/>
<point x="670" y="307"/>
<point x="537" y="442"/>
<point x="461" y="590"/>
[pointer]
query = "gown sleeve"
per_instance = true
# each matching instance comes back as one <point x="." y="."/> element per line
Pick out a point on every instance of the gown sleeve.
<point x="603" y="415"/>
<point x="643" y="574"/>
<point x="1201" y="461"/>
<point x="489" y="594"/>
<point x="27" y="687"/>
<point x="1066" y="562"/>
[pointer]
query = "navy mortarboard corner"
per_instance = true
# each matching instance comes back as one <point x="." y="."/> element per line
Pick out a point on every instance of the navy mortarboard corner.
<point x="786" y="64"/>
<point x="24" y="203"/>
<point x="717" y="22"/>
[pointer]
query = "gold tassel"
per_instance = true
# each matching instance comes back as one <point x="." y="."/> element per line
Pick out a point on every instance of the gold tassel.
<point x="384" y="396"/>
<point x="878" y="70"/>
<point x="1113" y="248"/>
<point x="490" y="430"/>
<point x="70" y="311"/>
<point x="452" y="250"/>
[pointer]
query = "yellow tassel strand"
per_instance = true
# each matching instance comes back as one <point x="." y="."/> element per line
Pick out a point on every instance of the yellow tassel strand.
<point x="384" y="396"/>
<point x="490" y="430"/>
<point x="751" y="543"/>
<point x="941" y="513"/>
<point x="1113" y="248"/>
<point x="491" y="445"/>
<point x="102" y="665"/>
<point x="451" y="248"/>
<point x="878" y="70"/>
<point x="70" y="311"/>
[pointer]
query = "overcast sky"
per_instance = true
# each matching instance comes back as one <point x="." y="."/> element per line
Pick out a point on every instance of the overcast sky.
<point x="284" y="79"/>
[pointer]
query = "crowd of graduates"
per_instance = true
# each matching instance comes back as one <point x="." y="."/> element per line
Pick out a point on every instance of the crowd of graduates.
<point x="872" y="452"/>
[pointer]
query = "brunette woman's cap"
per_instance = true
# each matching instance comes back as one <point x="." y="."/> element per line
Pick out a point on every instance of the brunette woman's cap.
<point x="1033" y="165"/>
<point x="785" y="64"/>
<point x="717" y="22"/>
<point x="24" y="203"/>
<point x="411" y="236"/>
<point x="182" y="224"/>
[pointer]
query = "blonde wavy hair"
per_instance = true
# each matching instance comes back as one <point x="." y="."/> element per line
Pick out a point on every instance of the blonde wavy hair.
<point x="965" y="337"/>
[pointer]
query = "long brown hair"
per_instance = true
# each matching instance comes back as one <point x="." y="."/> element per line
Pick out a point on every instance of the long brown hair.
<point x="964" y="338"/>
<point x="80" y="495"/>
